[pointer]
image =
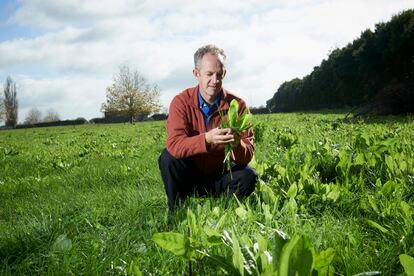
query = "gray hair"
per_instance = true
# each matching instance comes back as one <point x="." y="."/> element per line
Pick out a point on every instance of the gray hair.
<point x="208" y="49"/>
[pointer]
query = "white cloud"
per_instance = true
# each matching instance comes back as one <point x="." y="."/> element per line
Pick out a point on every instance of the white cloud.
<point x="83" y="43"/>
<point x="70" y="97"/>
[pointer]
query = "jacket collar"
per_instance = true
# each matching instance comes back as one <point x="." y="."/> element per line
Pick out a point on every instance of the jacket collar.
<point x="224" y="101"/>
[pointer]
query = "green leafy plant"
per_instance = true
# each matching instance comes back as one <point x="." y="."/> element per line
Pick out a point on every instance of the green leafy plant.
<point x="238" y="125"/>
<point x="408" y="263"/>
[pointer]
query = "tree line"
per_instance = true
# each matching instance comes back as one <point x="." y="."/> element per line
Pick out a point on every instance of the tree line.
<point x="355" y="73"/>
<point x="130" y="95"/>
<point x="9" y="108"/>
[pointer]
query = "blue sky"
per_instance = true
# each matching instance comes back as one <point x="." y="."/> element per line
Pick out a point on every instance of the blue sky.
<point x="63" y="54"/>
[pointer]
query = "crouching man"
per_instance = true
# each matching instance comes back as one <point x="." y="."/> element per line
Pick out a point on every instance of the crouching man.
<point x="192" y="163"/>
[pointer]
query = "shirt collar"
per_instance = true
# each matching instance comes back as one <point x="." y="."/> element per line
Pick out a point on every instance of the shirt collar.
<point x="202" y="103"/>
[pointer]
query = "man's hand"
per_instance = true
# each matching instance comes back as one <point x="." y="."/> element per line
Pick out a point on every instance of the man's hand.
<point x="218" y="136"/>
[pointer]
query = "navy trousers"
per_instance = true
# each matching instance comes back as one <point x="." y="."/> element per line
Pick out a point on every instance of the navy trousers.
<point x="182" y="179"/>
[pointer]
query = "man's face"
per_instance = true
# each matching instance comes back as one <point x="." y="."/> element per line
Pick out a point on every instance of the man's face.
<point x="209" y="75"/>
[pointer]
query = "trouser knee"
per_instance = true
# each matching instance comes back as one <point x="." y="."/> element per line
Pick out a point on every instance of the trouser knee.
<point x="165" y="158"/>
<point x="248" y="181"/>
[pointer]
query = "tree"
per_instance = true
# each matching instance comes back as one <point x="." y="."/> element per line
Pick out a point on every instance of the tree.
<point x="2" y="109"/>
<point x="10" y="102"/>
<point x="356" y="73"/>
<point x="51" y="116"/>
<point x="131" y="94"/>
<point x="34" y="116"/>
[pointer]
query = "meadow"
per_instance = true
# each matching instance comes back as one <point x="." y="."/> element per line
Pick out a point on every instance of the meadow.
<point x="333" y="198"/>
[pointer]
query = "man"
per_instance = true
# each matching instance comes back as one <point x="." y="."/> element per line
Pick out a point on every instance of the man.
<point x="192" y="163"/>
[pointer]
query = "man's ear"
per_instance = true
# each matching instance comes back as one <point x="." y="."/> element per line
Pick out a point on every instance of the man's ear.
<point x="224" y="73"/>
<point x="196" y="73"/>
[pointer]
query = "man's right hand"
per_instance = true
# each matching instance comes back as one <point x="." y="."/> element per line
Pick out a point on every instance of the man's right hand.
<point x="218" y="136"/>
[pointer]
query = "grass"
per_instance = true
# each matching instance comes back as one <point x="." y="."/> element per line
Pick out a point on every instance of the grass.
<point x="88" y="199"/>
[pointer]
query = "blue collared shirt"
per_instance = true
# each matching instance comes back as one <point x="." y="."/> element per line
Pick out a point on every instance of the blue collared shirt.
<point x="207" y="109"/>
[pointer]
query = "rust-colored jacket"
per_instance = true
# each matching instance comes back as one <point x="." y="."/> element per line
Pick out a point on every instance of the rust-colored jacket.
<point x="186" y="132"/>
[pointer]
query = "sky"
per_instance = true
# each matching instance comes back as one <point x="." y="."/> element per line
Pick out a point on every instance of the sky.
<point x="63" y="54"/>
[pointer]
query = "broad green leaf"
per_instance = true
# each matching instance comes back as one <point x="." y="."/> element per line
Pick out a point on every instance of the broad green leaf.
<point x="403" y="165"/>
<point x="281" y="239"/>
<point x="389" y="187"/>
<point x="233" y="113"/>
<point x="373" y="204"/>
<point x="377" y="226"/>
<point x="407" y="210"/>
<point x="344" y="162"/>
<point x="266" y="212"/>
<point x="262" y="242"/>
<point x="301" y="259"/>
<point x="324" y="258"/>
<point x="246" y="122"/>
<point x="237" y="255"/>
<point x="283" y="267"/>
<point x="211" y="232"/>
<point x="133" y="269"/>
<point x="291" y="205"/>
<point x="213" y="237"/>
<point x="334" y="193"/>
<point x="296" y="257"/>
<point x="175" y="242"/>
<point x="267" y="193"/>
<point x="293" y="190"/>
<point x="240" y="119"/>
<point x="359" y="159"/>
<point x="408" y="263"/>
<point x="246" y="241"/>
<point x="192" y="223"/>
<point x="221" y="222"/>
<point x="241" y="212"/>
<point x="390" y="162"/>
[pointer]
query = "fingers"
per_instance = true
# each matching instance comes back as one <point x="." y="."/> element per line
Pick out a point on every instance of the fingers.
<point x="224" y="136"/>
<point x="219" y="136"/>
<point x="223" y="131"/>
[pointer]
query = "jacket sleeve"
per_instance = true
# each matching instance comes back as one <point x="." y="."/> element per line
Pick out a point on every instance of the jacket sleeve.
<point x="179" y="142"/>
<point x="243" y="153"/>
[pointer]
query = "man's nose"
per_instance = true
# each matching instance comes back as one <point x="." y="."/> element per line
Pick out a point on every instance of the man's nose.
<point x="215" y="78"/>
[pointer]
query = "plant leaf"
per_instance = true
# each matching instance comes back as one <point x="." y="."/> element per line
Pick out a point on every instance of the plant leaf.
<point x="240" y="119"/>
<point x="293" y="190"/>
<point x="237" y="255"/>
<point x="408" y="263"/>
<point x="296" y="257"/>
<point x="377" y="226"/>
<point x="233" y="113"/>
<point x="323" y="260"/>
<point x="175" y="242"/>
<point x="246" y="123"/>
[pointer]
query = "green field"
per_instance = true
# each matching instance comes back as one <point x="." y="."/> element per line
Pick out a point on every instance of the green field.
<point x="333" y="197"/>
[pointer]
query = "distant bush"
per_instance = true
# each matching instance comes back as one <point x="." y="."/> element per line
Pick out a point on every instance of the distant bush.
<point x="79" y="121"/>
<point x="158" y="117"/>
<point x="97" y="121"/>
<point x="259" y="110"/>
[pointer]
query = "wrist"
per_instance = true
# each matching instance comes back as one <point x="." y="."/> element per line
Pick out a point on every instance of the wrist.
<point x="207" y="138"/>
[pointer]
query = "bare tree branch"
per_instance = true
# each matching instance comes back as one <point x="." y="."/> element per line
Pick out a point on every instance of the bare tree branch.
<point x="51" y="116"/>
<point x="34" y="116"/>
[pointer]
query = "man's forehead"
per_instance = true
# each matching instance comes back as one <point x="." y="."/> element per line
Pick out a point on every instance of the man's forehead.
<point x="211" y="64"/>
